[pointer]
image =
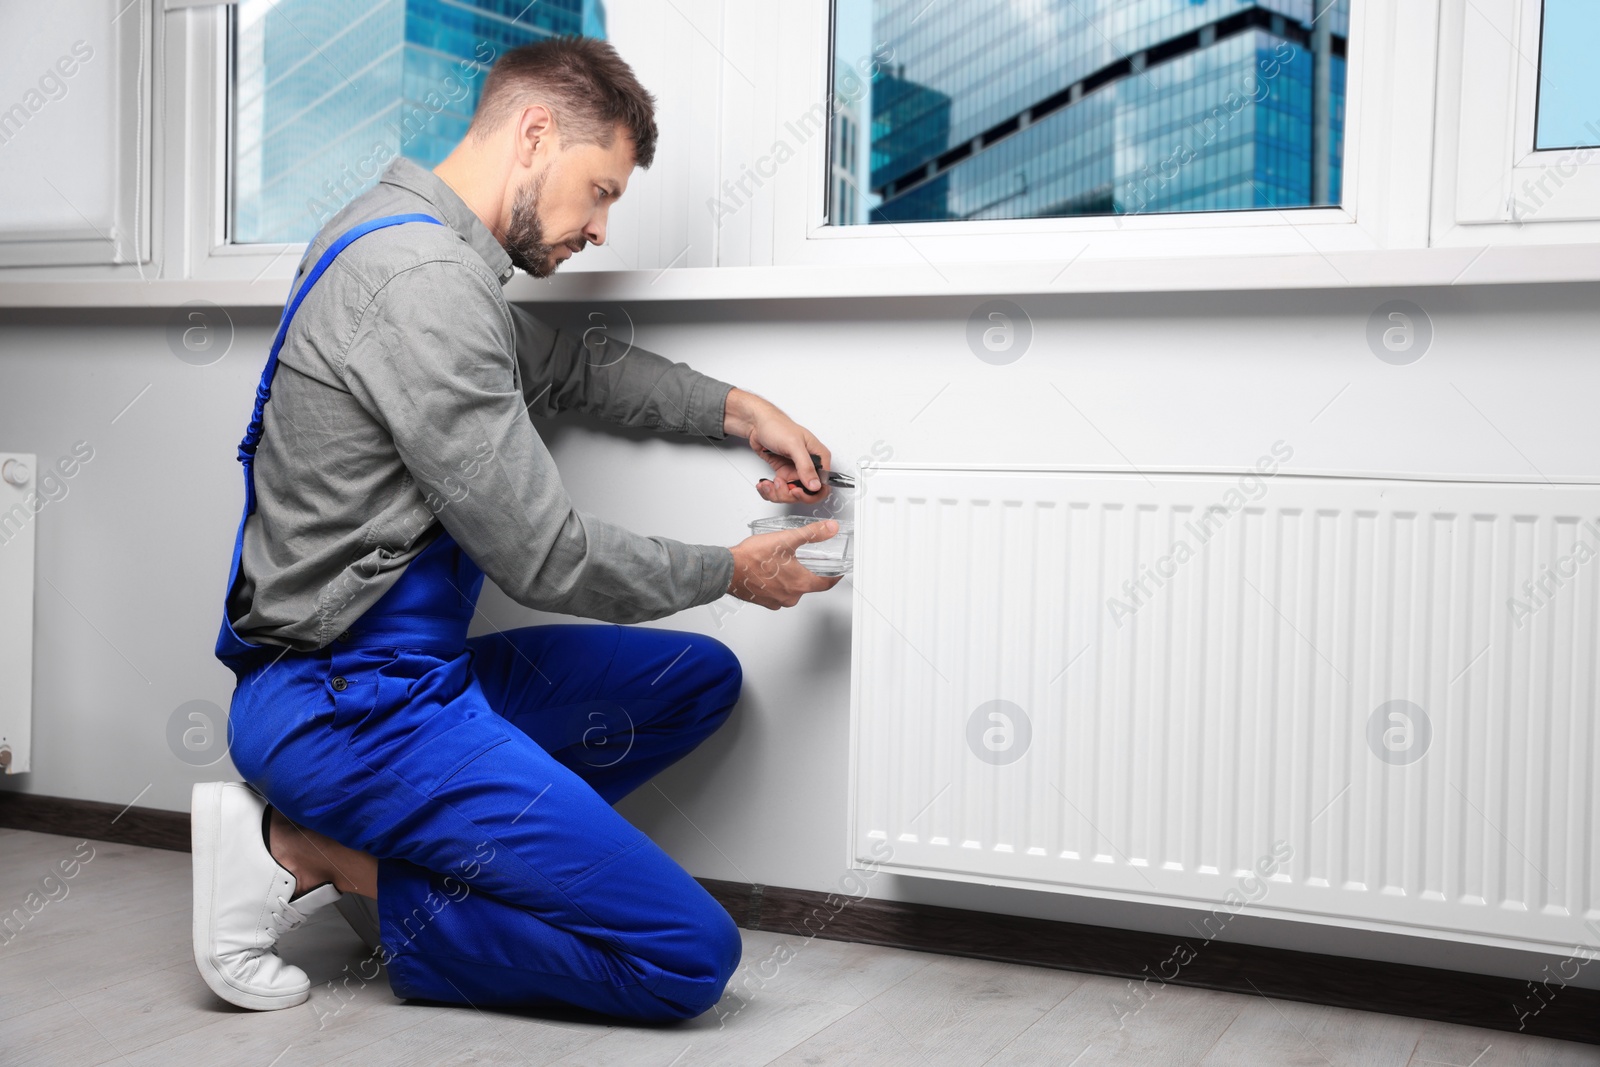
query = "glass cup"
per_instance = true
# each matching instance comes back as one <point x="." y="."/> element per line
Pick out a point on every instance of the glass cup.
<point x="828" y="558"/>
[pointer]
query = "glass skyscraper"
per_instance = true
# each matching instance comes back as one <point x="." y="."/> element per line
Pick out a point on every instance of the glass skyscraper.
<point x="992" y="109"/>
<point x="328" y="91"/>
<point x="847" y="173"/>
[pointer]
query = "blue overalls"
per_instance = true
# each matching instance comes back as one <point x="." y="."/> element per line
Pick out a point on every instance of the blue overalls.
<point x="481" y="773"/>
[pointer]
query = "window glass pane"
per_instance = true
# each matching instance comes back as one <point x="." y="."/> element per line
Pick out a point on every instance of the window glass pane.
<point x="327" y="92"/>
<point x="1001" y="109"/>
<point x="1569" y="78"/>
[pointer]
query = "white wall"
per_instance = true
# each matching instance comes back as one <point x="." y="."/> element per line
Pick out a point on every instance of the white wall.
<point x="132" y="561"/>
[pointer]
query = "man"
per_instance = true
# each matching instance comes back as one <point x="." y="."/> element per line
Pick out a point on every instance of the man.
<point x="465" y="786"/>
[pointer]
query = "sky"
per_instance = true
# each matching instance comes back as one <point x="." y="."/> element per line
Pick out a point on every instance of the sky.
<point x="1569" y="77"/>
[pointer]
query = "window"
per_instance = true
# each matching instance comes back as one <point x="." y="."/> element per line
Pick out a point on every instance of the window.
<point x="327" y="92"/>
<point x="75" y="135"/>
<point x="984" y="109"/>
<point x="849" y="148"/>
<point x="1521" y="114"/>
<point x="1569" y="80"/>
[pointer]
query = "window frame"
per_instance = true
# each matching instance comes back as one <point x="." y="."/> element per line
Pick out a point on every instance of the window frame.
<point x="1487" y="128"/>
<point x="1242" y="226"/>
<point x="213" y="254"/>
<point x="1387" y="158"/>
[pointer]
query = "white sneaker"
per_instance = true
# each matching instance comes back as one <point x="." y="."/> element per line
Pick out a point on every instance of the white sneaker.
<point x="242" y="901"/>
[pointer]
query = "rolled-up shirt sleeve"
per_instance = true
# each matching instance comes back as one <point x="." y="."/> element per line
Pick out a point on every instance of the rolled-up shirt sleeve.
<point x="614" y="379"/>
<point x="447" y="389"/>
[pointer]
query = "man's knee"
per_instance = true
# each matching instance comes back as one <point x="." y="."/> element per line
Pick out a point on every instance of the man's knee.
<point x="721" y="949"/>
<point x="727" y="947"/>
<point x="704" y="679"/>
<point x="723" y="667"/>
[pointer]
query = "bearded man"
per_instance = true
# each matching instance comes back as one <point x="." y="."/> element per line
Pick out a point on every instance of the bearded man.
<point x="452" y="794"/>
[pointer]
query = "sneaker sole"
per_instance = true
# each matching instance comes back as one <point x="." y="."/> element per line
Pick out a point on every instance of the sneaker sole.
<point x="205" y="828"/>
<point x="362" y="916"/>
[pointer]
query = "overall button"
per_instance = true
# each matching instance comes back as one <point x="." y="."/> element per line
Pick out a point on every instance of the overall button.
<point x="339" y="684"/>
<point x="345" y="637"/>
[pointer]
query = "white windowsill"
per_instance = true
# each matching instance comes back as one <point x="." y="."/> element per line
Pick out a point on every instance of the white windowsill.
<point x="1497" y="264"/>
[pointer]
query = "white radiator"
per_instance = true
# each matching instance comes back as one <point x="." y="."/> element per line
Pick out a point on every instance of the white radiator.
<point x="1379" y="694"/>
<point x="20" y="503"/>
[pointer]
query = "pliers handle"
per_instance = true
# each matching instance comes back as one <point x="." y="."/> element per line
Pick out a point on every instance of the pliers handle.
<point x="833" y="478"/>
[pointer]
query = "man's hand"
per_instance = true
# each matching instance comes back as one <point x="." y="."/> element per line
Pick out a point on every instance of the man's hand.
<point x="769" y="430"/>
<point x="766" y="572"/>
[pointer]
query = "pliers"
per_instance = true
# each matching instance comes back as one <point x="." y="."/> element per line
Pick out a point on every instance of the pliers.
<point x="833" y="478"/>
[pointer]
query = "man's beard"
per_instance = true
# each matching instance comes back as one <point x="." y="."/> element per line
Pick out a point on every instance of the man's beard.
<point x="524" y="240"/>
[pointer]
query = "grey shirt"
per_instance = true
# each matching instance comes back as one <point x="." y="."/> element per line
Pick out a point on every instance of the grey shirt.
<point x="402" y="401"/>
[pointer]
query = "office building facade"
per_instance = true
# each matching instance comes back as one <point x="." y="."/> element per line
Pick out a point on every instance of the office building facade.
<point x="1073" y="107"/>
<point x="327" y="92"/>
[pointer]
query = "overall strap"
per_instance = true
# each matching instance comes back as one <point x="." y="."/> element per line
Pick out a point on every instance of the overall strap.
<point x="252" y="434"/>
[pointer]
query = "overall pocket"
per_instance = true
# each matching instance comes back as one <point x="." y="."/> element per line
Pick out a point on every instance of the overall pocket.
<point x="399" y="708"/>
<point x="447" y="746"/>
<point x="352" y="680"/>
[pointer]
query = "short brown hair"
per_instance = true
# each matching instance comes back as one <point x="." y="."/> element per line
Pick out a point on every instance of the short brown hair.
<point x="583" y="82"/>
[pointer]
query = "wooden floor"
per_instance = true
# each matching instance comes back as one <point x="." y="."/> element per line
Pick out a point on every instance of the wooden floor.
<point x="103" y="974"/>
